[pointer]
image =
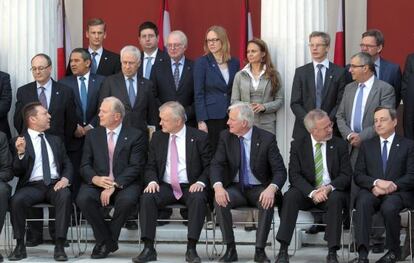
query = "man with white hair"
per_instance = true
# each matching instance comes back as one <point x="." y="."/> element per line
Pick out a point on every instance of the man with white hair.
<point x="247" y="170"/>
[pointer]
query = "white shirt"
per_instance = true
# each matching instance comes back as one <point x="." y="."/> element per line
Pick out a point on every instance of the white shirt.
<point x="255" y="82"/>
<point x="98" y="56"/>
<point x="325" y="64"/>
<point x="37" y="172"/>
<point x="48" y="90"/>
<point x="145" y="60"/>
<point x="226" y="74"/>
<point x="367" y="89"/>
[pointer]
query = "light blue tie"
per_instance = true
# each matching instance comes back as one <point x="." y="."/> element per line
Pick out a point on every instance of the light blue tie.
<point x="84" y="97"/>
<point x="131" y="92"/>
<point x="94" y="66"/>
<point x="358" y="109"/>
<point x="148" y="68"/>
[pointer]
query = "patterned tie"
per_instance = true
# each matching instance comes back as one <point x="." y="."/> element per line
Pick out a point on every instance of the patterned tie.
<point x="111" y="149"/>
<point x="318" y="165"/>
<point x="176" y="74"/>
<point x="319" y="86"/>
<point x="148" y="67"/>
<point x="131" y="92"/>
<point x="358" y="109"/>
<point x="94" y="66"/>
<point x="45" y="160"/>
<point x="175" y="184"/>
<point x="84" y="97"/>
<point x="384" y="156"/>
<point x="243" y="173"/>
<point x="42" y="97"/>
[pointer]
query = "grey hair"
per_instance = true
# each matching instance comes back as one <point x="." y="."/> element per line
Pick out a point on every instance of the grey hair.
<point x="313" y="116"/>
<point x="245" y="112"/>
<point x="325" y="36"/>
<point x="366" y="59"/>
<point x="181" y="35"/>
<point x="132" y="50"/>
<point x="116" y="105"/>
<point x="176" y="108"/>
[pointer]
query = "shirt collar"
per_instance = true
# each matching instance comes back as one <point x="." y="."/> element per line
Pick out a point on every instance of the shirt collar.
<point x="248" y="134"/>
<point x="117" y="130"/>
<point x="325" y="63"/>
<point x="389" y="139"/>
<point x="33" y="134"/>
<point x="134" y="77"/>
<point x="153" y="55"/>
<point x="99" y="51"/>
<point x="377" y="62"/>
<point x="86" y="76"/>
<point x="314" y="142"/>
<point x="180" y="133"/>
<point x="369" y="82"/>
<point x="248" y="70"/>
<point x="181" y="61"/>
<point x="46" y="86"/>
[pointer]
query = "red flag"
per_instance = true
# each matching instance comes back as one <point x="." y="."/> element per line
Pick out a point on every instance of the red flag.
<point x="63" y="45"/>
<point x="339" y="54"/>
<point x="164" y="25"/>
<point x="246" y="31"/>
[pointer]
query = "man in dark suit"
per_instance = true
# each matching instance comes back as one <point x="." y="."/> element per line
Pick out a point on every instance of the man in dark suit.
<point x="177" y="172"/>
<point x="408" y="112"/>
<point x="59" y="101"/>
<point x="113" y="158"/>
<point x="103" y="61"/>
<point x="320" y="175"/>
<point x="408" y="71"/>
<point x="247" y="169"/>
<point x="152" y="56"/>
<point x="385" y="173"/>
<point x="5" y="102"/>
<point x="133" y="91"/>
<point x="173" y="79"/>
<point x="44" y="171"/>
<point x="85" y="86"/>
<point x="319" y="84"/>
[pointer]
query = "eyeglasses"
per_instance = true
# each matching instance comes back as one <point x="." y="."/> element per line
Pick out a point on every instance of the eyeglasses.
<point x="316" y="45"/>
<point x="212" y="40"/>
<point x="367" y="46"/>
<point x="41" y="68"/>
<point x="356" y="66"/>
<point x="174" y="46"/>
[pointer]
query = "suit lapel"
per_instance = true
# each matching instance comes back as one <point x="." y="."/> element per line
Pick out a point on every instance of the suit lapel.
<point x="29" y="145"/>
<point x="372" y="94"/>
<point x="54" y="96"/>
<point x="74" y="84"/>
<point x="310" y="79"/>
<point x="330" y="154"/>
<point x="164" y="144"/>
<point x="186" y="72"/>
<point x="392" y="155"/>
<point x="122" y="139"/>
<point x="328" y="79"/>
<point x="215" y="67"/>
<point x="92" y="90"/>
<point x="350" y="101"/>
<point x="189" y="144"/>
<point x="309" y="156"/>
<point x="122" y="89"/>
<point x="254" y="147"/>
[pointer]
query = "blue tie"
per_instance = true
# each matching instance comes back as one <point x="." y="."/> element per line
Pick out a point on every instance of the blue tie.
<point x="384" y="156"/>
<point x="94" y="66"/>
<point x="319" y="86"/>
<point x="83" y="97"/>
<point x="358" y="109"/>
<point x="148" y="67"/>
<point x="131" y="92"/>
<point x="243" y="173"/>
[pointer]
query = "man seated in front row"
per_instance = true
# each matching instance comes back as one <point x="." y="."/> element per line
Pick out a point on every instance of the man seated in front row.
<point x="177" y="172"/>
<point x="320" y="175"/>
<point x="44" y="171"/>
<point x="247" y="170"/>
<point x="385" y="173"/>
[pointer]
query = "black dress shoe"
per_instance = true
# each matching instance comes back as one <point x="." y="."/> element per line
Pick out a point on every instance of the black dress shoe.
<point x="378" y="248"/>
<point x="18" y="253"/>
<point x="34" y="242"/>
<point x="389" y="257"/>
<point x="131" y="225"/>
<point x="102" y="250"/>
<point x="282" y="257"/>
<point x="332" y="258"/>
<point x="260" y="256"/>
<point x="59" y="253"/>
<point x="230" y="255"/>
<point x="191" y="256"/>
<point x="1" y="258"/>
<point x="148" y="254"/>
<point x="359" y="260"/>
<point x="315" y="229"/>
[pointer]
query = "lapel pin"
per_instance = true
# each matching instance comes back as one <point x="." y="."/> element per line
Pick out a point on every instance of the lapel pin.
<point x="192" y="140"/>
<point x="57" y="92"/>
<point x="257" y="144"/>
<point x="331" y="147"/>
<point x="126" y="138"/>
<point x="330" y="76"/>
<point x="106" y="58"/>
<point x="398" y="145"/>
<point x="93" y="80"/>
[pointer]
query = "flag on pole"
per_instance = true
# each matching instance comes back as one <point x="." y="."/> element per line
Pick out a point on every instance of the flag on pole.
<point x="164" y="25"/>
<point x="246" y="31"/>
<point x="339" y="53"/>
<point x="63" y="44"/>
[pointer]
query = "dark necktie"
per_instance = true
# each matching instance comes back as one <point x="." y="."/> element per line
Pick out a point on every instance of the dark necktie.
<point x="94" y="66"/>
<point x="42" y="97"/>
<point x="358" y="109"/>
<point x="84" y="97"/>
<point x="111" y="150"/>
<point x="131" y="92"/>
<point x="243" y="173"/>
<point x="319" y="86"/>
<point x="45" y="160"/>
<point x="384" y="156"/>
<point x="176" y="74"/>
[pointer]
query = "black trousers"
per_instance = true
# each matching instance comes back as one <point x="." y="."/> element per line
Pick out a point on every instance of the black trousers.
<point x="214" y="128"/>
<point x="294" y="200"/>
<point x="123" y="200"/>
<point x="5" y="191"/>
<point x="150" y="203"/>
<point x="37" y="192"/>
<point x="250" y="197"/>
<point x="390" y="207"/>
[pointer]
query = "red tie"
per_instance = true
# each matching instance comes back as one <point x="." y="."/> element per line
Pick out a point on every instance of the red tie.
<point x="175" y="184"/>
<point x="111" y="148"/>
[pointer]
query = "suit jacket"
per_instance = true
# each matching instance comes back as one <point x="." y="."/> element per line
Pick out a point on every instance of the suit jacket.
<point x="400" y="165"/>
<point x="302" y="164"/>
<point x="129" y="156"/>
<point x="303" y="97"/>
<point x="266" y="163"/>
<point x="161" y="57"/>
<point x="5" y="102"/>
<point x="165" y="90"/>
<point x="61" y="108"/>
<point x="211" y="93"/>
<point x="197" y="156"/>
<point x="408" y="70"/>
<point x="145" y="109"/>
<point x="23" y="168"/>
<point x="6" y="171"/>
<point x="109" y="64"/>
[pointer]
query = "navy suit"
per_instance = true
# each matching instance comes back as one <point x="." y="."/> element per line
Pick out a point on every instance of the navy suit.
<point x="161" y="57"/>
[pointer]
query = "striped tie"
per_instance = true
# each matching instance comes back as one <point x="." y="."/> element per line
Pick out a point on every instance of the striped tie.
<point x="318" y="165"/>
